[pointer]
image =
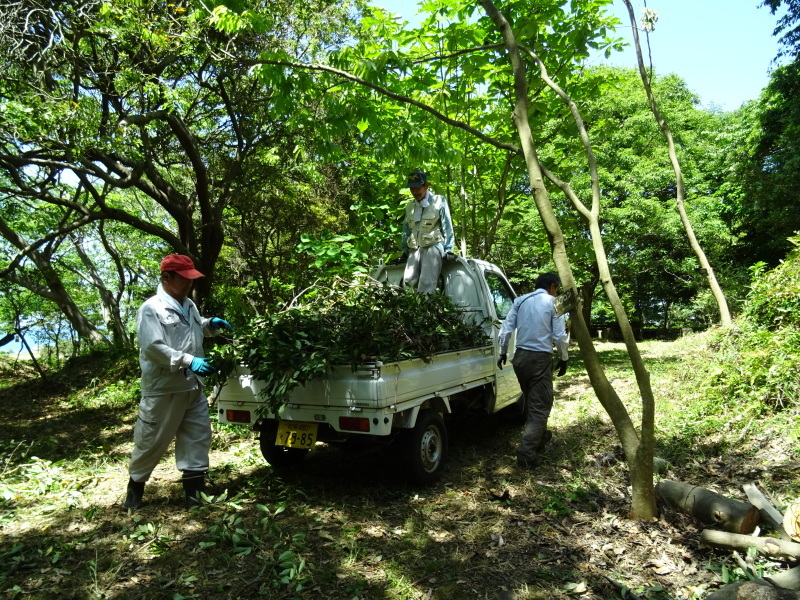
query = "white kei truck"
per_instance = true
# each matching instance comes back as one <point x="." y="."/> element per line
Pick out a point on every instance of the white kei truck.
<point x="403" y="401"/>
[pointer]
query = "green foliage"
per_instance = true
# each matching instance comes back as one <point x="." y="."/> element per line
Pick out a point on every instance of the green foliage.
<point x="345" y="324"/>
<point x="765" y="163"/>
<point x="334" y="255"/>
<point x="754" y="366"/>
<point x="774" y="300"/>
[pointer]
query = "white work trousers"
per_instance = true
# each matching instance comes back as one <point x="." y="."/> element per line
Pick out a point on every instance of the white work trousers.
<point x="423" y="268"/>
<point x="182" y="417"/>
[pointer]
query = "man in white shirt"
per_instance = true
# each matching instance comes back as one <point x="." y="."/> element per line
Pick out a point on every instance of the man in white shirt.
<point x="538" y="328"/>
<point x="170" y="333"/>
<point x="427" y="235"/>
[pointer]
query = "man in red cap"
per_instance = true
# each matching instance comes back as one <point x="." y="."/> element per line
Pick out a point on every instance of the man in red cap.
<point x="170" y="331"/>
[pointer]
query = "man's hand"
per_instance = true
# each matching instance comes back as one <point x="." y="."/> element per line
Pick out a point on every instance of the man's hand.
<point x="399" y="260"/>
<point x="201" y="366"/>
<point x="449" y="256"/>
<point x="501" y="361"/>
<point x="218" y="323"/>
<point x="562" y="367"/>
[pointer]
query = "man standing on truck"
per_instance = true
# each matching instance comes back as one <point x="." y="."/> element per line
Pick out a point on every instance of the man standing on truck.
<point x="427" y="235"/>
<point x="170" y="331"/>
<point x="538" y="328"/>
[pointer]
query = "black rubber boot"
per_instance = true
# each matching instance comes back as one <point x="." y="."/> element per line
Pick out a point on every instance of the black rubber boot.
<point x="135" y="492"/>
<point x="194" y="483"/>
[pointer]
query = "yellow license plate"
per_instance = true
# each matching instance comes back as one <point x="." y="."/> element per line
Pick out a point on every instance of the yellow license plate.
<point x="294" y="434"/>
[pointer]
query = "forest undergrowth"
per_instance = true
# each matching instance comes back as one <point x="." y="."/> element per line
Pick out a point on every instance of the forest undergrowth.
<point x="350" y="526"/>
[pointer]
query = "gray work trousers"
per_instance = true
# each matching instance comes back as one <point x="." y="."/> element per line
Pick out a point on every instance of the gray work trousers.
<point x="534" y="372"/>
<point x="422" y="268"/>
<point x="182" y="417"/>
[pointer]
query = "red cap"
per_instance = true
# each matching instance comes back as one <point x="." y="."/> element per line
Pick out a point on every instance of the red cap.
<point x="182" y="265"/>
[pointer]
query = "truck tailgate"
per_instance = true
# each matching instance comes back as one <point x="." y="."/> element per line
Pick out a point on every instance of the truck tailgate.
<point x="376" y="385"/>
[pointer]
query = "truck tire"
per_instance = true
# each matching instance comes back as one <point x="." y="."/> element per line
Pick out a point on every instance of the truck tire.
<point x="279" y="457"/>
<point x="426" y="447"/>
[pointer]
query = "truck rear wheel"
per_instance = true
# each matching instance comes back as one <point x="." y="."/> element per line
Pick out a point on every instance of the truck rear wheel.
<point x="278" y="456"/>
<point x="427" y="447"/>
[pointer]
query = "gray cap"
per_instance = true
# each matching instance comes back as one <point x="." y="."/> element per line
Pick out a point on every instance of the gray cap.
<point x="417" y="179"/>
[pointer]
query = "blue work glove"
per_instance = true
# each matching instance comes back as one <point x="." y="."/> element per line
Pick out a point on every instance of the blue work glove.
<point x="201" y="366"/>
<point x="501" y="361"/>
<point x="218" y="323"/>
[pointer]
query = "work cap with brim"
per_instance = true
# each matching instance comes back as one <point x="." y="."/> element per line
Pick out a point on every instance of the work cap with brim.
<point x="180" y="264"/>
<point x="417" y="179"/>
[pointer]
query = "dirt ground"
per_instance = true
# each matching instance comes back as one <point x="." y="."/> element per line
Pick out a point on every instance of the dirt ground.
<point x="487" y="530"/>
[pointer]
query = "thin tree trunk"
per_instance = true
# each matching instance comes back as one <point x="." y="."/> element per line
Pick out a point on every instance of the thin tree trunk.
<point x="640" y="456"/>
<point x="639" y="453"/>
<point x="716" y="290"/>
<point x="30" y="352"/>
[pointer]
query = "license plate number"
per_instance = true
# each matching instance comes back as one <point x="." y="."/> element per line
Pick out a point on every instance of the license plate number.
<point x="293" y="434"/>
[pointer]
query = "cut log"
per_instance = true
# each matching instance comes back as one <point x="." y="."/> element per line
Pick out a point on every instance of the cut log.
<point x="768" y="512"/>
<point x="709" y="508"/>
<point x="785" y="580"/>
<point x="752" y="590"/>
<point x="789" y="579"/>
<point x="735" y="541"/>
<point x="791" y="521"/>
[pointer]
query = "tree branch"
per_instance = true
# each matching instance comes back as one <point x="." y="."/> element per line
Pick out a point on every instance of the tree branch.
<point x="389" y="94"/>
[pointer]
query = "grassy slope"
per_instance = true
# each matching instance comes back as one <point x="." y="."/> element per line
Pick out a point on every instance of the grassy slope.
<point x="350" y="526"/>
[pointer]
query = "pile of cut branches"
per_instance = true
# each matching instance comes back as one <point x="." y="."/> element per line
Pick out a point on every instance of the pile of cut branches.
<point x="346" y="323"/>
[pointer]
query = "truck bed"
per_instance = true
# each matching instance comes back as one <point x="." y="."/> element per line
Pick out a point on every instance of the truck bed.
<point x="374" y="386"/>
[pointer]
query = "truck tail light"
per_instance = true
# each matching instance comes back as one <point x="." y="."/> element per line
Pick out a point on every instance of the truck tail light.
<point x="354" y="424"/>
<point x="238" y="416"/>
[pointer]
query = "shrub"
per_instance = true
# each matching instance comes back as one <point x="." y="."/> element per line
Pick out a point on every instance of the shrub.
<point x="755" y="364"/>
<point x="774" y="299"/>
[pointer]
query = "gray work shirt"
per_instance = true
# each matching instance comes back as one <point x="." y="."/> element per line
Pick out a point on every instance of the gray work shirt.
<point x="170" y="335"/>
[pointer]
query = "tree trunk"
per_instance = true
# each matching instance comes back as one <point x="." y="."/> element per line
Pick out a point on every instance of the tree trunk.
<point x="587" y="294"/>
<point x="108" y="302"/>
<point x="639" y="453"/>
<point x="709" y="508"/>
<point x="35" y="362"/>
<point x="55" y="290"/>
<point x="716" y="290"/>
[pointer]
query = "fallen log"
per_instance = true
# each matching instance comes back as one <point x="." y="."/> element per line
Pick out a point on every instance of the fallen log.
<point x="789" y="579"/>
<point x="768" y="512"/>
<point x="734" y="541"/>
<point x="752" y="590"/>
<point x="791" y="521"/>
<point x="785" y="580"/>
<point x="709" y="508"/>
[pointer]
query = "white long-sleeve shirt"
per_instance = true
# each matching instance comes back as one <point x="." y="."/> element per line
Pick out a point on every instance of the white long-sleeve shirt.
<point x="538" y="326"/>
<point x="170" y="335"/>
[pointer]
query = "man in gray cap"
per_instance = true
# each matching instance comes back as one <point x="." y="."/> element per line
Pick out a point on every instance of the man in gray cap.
<point x="427" y="234"/>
